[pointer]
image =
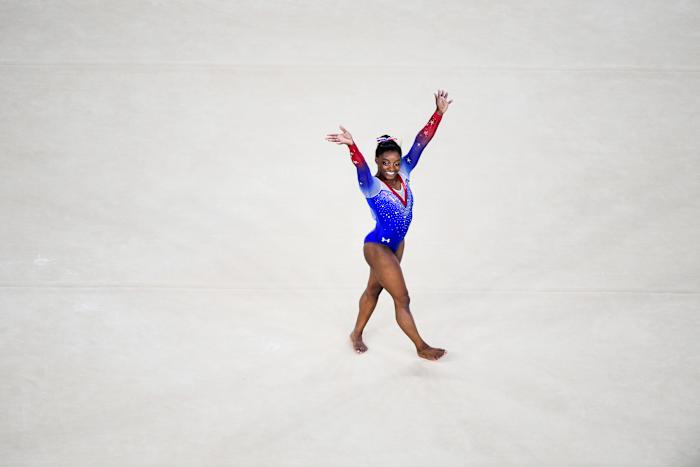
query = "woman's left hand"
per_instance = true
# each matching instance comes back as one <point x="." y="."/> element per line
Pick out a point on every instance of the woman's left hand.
<point x="441" y="101"/>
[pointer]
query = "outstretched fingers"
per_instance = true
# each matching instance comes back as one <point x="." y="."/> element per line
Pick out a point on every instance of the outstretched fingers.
<point x="333" y="137"/>
<point x="441" y="93"/>
<point x="341" y="138"/>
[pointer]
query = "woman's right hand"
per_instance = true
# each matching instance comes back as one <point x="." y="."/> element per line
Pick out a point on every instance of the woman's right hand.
<point x="340" y="138"/>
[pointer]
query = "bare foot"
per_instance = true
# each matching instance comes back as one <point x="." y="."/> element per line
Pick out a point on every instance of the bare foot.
<point x="357" y="343"/>
<point x="431" y="353"/>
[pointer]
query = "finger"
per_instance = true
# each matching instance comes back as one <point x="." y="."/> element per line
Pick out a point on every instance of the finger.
<point x="344" y="130"/>
<point x="450" y="101"/>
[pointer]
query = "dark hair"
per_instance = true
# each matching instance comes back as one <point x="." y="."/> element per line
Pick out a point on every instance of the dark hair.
<point x="385" y="146"/>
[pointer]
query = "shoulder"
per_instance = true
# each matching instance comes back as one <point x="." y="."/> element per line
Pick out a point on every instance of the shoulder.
<point x="374" y="188"/>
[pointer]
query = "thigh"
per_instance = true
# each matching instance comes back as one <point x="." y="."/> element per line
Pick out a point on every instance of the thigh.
<point x="386" y="269"/>
<point x="399" y="250"/>
<point x="373" y="281"/>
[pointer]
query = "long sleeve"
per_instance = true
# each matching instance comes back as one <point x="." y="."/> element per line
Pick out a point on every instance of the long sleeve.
<point x="422" y="139"/>
<point x="364" y="176"/>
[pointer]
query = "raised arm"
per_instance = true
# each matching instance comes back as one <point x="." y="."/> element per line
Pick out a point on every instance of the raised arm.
<point x="368" y="184"/>
<point x="422" y="139"/>
<point x="426" y="133"/>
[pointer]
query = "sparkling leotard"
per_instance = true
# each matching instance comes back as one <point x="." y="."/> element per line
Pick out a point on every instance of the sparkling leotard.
<point x="392" y="212"/>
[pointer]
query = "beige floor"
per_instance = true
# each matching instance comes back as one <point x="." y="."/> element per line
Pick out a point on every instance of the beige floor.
<point x="180" y="249"/>
<point x="221" y="377"/>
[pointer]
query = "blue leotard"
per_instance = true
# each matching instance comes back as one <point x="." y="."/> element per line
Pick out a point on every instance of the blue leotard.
<point x="392" y="213"/>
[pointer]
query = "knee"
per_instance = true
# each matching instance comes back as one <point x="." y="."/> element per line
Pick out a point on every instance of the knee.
<point x="373" y="292"/>
<point x="402" y="300"/>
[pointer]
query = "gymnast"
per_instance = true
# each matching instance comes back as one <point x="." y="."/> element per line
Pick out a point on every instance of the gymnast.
<point x="390" y="199"/>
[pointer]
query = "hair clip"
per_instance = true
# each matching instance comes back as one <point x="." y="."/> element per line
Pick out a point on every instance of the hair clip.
<point x="382" y="139"/>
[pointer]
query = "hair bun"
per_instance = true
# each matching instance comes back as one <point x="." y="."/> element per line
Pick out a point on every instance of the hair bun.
<point x="385" y="138"/>
<point x="387" y="143"/>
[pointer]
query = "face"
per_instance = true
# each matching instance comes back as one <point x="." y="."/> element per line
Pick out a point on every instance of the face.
<point x="389" y="164"/>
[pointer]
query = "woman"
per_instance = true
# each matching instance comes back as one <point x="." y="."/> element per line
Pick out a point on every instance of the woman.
<point x="391" y="201"/>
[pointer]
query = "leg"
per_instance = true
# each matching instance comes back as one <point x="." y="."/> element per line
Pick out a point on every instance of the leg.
<point x="388" y="272"/>
<point x="368" y="301"/>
